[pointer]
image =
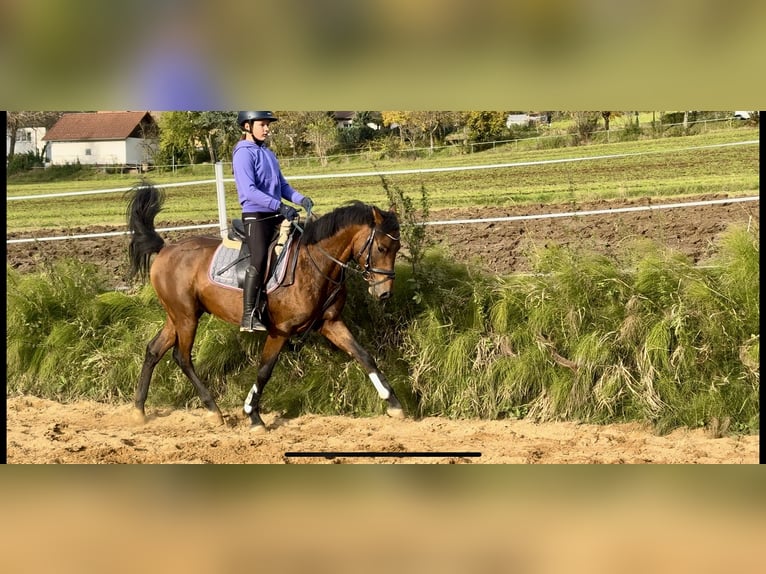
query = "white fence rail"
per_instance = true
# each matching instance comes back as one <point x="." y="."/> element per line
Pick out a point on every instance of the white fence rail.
<point x="596" y="211"/>
<point x="219" y="181"/>
<point x="401" y="171"/>
<point x="446" y="222"/>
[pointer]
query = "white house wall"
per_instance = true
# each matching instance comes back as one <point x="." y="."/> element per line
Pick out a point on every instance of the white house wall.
<point x="27" y="140"/>
<point x="131" y="151"/>
<point x="92" y="152"/>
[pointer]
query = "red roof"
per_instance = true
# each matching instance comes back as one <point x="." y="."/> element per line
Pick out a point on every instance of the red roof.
<point x="98" y="126"/>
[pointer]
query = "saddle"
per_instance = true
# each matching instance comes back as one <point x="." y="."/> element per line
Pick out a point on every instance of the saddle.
<point x="232" y="257"/>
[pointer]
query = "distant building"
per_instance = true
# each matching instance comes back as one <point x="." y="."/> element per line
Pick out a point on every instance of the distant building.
<point x="343" y="119"/>
<point x="524" y="119"/>
<point x="102" y="138"/>
<point x="27" y="140"/>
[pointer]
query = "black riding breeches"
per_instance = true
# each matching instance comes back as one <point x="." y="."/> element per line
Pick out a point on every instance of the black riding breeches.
<point x="261" y="229"/>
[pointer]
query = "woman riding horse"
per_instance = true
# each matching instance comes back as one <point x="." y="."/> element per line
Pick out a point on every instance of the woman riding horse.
<point x="261" y="189"/>
<point x="352" y="235"/>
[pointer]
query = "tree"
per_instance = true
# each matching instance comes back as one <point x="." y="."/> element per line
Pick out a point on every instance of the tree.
<point x="321" y="132"/>
<point x="398" y="119"/>
<point x="288" y="134"/>
<point x="485" y="126"/>
<point x="218" y="131"/>
<point x="149" y="140"/>
<point x="177" y="134"/>
<point x="433" y="124"/>
<point x="584" y="124"/>
<point x="606" y="116"/>
<point x="421" y="127"/>
<point x="354" y="137"/>
<point x="183" y="132"/>
<point x="17" y="120"/>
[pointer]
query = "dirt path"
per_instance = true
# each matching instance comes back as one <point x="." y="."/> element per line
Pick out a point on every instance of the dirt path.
<point x="43" y="431"/>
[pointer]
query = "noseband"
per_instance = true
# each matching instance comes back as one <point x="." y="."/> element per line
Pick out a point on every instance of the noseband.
<point x="368" y="270"/>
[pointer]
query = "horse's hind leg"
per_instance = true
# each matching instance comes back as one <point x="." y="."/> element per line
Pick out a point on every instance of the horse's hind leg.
<point x="337" y="332"/>
<point x="155" y="350"/>
<point x="182" y="355"/>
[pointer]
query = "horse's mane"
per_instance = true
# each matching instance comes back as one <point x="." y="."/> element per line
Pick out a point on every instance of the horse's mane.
<point x="353" y="213"/>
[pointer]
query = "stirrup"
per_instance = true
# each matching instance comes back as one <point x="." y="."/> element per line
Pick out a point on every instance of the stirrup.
<point x="251" y="323"/>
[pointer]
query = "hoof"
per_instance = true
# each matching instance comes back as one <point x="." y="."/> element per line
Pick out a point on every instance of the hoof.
<point x="258" y="429"/>
<point x="395" y="412"/>
<point x="139" y="417"/>
<point x="214" y="417"/>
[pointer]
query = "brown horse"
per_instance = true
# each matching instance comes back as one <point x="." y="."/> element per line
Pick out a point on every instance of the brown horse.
<point x="179" y="273"/>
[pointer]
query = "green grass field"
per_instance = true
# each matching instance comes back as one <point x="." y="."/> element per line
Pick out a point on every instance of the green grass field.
<point x="659" y="167"/>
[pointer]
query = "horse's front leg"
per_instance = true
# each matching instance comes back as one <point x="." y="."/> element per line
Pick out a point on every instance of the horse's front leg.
<point x="337" y="332"/>
<point x="269" y="355"/>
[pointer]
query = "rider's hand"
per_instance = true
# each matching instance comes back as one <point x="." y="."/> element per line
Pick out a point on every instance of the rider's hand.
<point x="288" y="212"/>
<point x="307" y="204"/>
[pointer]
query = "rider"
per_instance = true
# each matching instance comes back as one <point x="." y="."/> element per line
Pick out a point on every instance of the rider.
<point x="261" y="187"/>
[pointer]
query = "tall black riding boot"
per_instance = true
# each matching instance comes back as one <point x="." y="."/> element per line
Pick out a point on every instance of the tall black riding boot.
<point x="251" y="294"/>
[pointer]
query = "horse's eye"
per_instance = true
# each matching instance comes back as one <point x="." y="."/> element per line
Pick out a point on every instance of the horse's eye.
<point x="381" y="249"/>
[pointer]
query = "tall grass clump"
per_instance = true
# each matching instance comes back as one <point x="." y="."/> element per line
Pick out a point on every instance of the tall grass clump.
<point x="641" y="335"/>
<point x="644" y="336"/>
<point x="70" y="337"/>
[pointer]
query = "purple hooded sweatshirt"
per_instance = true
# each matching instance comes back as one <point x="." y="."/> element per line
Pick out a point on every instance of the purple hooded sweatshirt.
<point x="260" y="183"/>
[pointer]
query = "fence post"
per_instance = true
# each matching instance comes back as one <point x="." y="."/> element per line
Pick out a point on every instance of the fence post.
<point x="221" y="192"/>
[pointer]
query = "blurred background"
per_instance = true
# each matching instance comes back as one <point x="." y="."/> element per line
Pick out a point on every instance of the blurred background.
<point x="392" y="54"/>
<point x="352" y="518"/>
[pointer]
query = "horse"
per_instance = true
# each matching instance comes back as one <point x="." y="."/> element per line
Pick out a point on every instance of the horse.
<point x="353" y="233"/>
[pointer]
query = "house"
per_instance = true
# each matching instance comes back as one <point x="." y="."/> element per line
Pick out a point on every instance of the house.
<point x="27" y="140"/>
<point x="343" y="119"/>
<point x="372" y="120"/>
<point x="102" y="138"/>
<point x="522" y="120"/>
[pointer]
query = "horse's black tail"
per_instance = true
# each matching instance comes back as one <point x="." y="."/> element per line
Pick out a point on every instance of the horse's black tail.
<point x="144" y="203"/>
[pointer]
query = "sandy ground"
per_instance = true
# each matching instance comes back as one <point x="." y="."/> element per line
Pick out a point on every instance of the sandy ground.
<point x="43" y="431"/>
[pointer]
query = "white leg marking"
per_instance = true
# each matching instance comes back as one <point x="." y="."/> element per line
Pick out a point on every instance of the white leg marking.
<point x="382" y="391"/>
<point x="248" y="406"/>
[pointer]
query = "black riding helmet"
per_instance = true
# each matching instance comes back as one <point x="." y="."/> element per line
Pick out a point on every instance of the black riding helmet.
<point x="243" y="117"/>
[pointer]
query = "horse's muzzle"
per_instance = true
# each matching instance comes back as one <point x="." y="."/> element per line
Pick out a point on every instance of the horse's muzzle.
<point x="380" y="291"/>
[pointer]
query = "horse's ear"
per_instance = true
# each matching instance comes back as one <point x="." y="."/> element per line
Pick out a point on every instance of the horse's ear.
<point x="377" y="215"/>
<point x="392" y="209"/>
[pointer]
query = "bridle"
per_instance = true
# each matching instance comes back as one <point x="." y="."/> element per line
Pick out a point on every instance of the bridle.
<point x="368" y="270"/>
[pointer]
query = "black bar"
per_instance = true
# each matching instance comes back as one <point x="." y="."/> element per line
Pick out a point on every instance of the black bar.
<point x="381" y="454"/>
